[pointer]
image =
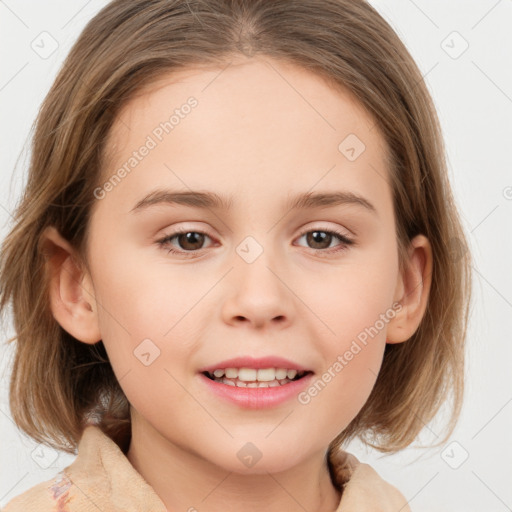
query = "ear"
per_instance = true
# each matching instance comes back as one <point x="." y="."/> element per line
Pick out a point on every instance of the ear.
<point x="71" y="292"/>
<point x="412" y="291"/>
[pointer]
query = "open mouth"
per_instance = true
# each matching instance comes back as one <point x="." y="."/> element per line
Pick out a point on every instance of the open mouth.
<point x="252" y="378"/>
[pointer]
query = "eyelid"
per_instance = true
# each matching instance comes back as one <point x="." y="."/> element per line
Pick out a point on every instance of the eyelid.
<point x="334" y="229"/>
<point x="328" y="229"/>
<point x="173" y="231"/>
<point x="345" y="240"/>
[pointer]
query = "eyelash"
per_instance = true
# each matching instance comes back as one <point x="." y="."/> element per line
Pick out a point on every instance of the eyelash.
<point x="165" y="242"/>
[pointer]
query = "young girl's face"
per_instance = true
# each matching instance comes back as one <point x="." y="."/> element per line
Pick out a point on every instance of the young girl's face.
<point x="255" y="277"/>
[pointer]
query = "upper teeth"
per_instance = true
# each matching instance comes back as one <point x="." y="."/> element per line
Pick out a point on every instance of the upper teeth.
<point x="252" y="374"/>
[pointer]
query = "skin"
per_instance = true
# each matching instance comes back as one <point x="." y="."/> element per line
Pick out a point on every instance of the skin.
<point x="263" y="130"/>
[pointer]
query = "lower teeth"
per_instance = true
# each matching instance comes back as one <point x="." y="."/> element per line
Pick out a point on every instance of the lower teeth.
<point x="243" y="384"/>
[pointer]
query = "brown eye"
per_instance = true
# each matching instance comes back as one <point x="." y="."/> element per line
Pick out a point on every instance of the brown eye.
<point x="184" y="242"/>
<point x="190" y="241"/>
<point x="321" y="239"/>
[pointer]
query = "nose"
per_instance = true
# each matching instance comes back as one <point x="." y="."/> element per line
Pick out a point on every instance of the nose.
<point x="257" y="294"/>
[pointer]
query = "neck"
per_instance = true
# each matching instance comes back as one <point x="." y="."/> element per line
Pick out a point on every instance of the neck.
<point x="184" y="480"/>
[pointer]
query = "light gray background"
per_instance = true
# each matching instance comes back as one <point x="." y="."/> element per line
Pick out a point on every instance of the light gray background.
<point x="473" y="94"/>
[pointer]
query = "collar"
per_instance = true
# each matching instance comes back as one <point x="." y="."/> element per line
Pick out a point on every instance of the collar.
<point x="101" y="469"/>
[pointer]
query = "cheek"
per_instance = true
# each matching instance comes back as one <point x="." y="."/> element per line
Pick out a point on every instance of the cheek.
<point x="138" y="294"/>
<point x="339" y="392"/>
<point x="146" y="343"/>
<point x="355" y="303"/>
<point x="354" y="297"/>
<point x="141" y="316"/>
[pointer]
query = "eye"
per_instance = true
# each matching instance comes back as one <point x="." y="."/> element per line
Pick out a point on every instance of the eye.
<point x="321" y="239"/>
<point x="190" y="241"/>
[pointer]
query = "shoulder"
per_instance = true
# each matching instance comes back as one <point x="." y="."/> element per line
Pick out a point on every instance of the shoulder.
<point x="101" y="477"/>
<point x="363" y="489"/>
<point x="62" y="492"/>
<point x="367" y="488"/>
<point x="43" y="496"/>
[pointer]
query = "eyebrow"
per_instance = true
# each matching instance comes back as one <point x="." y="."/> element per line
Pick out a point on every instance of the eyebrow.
<point x="211" y="200"/>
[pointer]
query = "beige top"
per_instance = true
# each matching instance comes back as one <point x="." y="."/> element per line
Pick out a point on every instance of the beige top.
<point x="102" y="478"/>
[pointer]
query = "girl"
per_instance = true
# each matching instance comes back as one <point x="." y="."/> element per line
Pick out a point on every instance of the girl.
<point x="234" y="254"/>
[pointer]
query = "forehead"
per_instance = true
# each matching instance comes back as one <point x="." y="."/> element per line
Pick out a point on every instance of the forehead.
<point x="255" y="122"/>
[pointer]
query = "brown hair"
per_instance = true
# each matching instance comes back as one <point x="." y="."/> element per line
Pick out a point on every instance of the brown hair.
<point x="57" y="382"/>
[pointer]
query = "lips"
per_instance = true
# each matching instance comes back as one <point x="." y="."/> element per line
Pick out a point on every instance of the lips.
<point x="264" y="395"/>
<point x="255" y="363"/>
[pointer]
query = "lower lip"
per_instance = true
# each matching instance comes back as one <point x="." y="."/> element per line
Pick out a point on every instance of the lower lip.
<point x="257" y="398"/>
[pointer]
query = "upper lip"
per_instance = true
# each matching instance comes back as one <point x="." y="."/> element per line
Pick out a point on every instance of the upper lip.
<point x="253" y="362"/>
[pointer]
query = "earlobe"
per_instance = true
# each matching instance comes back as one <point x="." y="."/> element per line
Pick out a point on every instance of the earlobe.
<point x="412" y="291"/>
<point x="70" y="291"/>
